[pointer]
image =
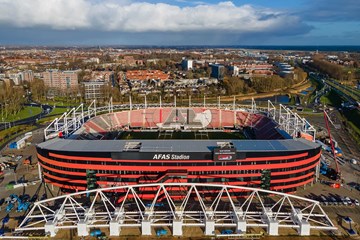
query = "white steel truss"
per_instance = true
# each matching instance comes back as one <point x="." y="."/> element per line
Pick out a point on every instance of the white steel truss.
<point x="271" y="112"/>
<point x="175" y="206"/>
<point x="294" y="124"/>
<point x="70" y="121"/>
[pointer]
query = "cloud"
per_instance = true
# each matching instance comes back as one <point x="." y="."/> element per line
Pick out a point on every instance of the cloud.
<point x="191" y="2"/>
<point x="139" y="17"/>
<point x="332" y="10"/>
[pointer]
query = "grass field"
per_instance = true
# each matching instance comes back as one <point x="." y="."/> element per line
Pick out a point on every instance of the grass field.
<point x="353" y="122"/>
<point x="26" y="112"/>
<point x="331" y="98"/>
<point x="61" y="102"/>
<point x="58" y="111"/>
<point x="181" y="135"/>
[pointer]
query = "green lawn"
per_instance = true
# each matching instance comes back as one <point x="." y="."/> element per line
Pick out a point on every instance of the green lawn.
<point x="352" y="122"/>
<point x="58" y="111"/>
<point x="353" y="116"/>
<point x="60" y="103"/>
<point x="331" y="98"/>
<point x="26" y="112"/>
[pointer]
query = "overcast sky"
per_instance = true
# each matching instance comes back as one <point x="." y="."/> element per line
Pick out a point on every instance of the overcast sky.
<point x="180" y="22"/>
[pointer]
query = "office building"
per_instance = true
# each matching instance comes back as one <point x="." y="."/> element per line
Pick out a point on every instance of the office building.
<point x="217" y="71"/>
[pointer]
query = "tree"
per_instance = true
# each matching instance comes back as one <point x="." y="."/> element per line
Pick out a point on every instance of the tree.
<point x="265" y="180"/>
<point x="234" y="85"/>
<point x="271" y="83"/>
<point x="300" y="74"/>
<point x="331" y="69"/>
<point x="38" y="90"/>
<point x="11" y="100"/>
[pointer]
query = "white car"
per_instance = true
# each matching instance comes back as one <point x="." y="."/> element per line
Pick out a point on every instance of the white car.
<point x="344" y="201"/>
<point x="348" y="200"/>
<point x="356" y="202"/>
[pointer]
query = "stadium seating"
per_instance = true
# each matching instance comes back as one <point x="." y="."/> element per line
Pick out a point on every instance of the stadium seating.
<point x="97" y="125"/>
<point x="241" y="118"/>
<point x="195" y="118"/>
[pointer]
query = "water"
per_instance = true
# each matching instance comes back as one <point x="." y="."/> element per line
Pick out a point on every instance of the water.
<point x="329" y="48"/>
<point x="306" y="91"/>
<point x="283" y="99"/>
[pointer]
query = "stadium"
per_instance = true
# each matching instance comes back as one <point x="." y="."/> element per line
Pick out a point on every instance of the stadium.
<point x="230" y="144"/>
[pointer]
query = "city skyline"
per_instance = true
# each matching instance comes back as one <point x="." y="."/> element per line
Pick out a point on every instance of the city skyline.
<point x="179" y="22"/>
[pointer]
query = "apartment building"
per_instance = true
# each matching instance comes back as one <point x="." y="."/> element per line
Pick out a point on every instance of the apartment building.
<point x="63" y="80"/>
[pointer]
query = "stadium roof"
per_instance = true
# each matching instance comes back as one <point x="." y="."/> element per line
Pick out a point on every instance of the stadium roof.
<point x="184" y="146"/>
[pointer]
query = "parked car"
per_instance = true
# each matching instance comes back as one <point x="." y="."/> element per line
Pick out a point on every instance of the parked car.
<point x="343" y="200"/>
<point x="2" y="201"/>
<point x="348" y="200"/>
<point x="333" y="201"/>
<point x="324" y="200"/>
<point x="356" y="202"/>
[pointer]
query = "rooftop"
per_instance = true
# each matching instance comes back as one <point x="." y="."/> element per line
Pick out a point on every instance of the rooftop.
<point x="184" y="146"/>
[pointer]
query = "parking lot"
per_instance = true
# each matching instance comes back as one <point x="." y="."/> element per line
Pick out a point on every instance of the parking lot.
<point x="20" y="183"/>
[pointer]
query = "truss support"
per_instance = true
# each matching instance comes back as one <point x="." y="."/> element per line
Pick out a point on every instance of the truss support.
<point x="166" y="209"/>
<point x="240" y="226"/>
<point x="272" y="223"/>
<point x="111" y="107"/>
<point x="92" y="108"/>
<point x="115" y="228"/>
<point x="146" y="227"/>
<point x="253" y="106"/>
<point x="288" y="121"/>
<point x="304" y="225"/>
<point x="271" y="111"/>
<point x="177" y="227"/>
<point x="50" y="228"/>
<point x="83" y="228"/>
<point x="209" y="227"/>
<point x="239" y="218"/>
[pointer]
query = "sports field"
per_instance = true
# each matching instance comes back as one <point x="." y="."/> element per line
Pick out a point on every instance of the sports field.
<point x="129" y="135"/>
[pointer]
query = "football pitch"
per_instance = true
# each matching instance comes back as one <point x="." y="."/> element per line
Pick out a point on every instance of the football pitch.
<point x="185" y="135"/>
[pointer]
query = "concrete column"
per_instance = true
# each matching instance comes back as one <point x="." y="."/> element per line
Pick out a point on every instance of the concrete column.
<point x="114" y="228"/>
<point x="241" y="226"/>
<point x="209" y="227"/>
<point x="177" y="227"/>
<point x="273" y="228"/>
<point x="304" y="229"/>
<point x="50" y="228"/>
<point x="304" y="226"/>
<point x="82" y="228"/>
<point x="146" y="227"/>
<point x="273" y="225"/>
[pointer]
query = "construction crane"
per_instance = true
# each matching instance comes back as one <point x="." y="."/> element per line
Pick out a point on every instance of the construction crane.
<point x="327" y="119"/>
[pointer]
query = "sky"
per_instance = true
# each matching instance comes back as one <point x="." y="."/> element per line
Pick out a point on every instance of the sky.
<point x="179" y="22"/>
